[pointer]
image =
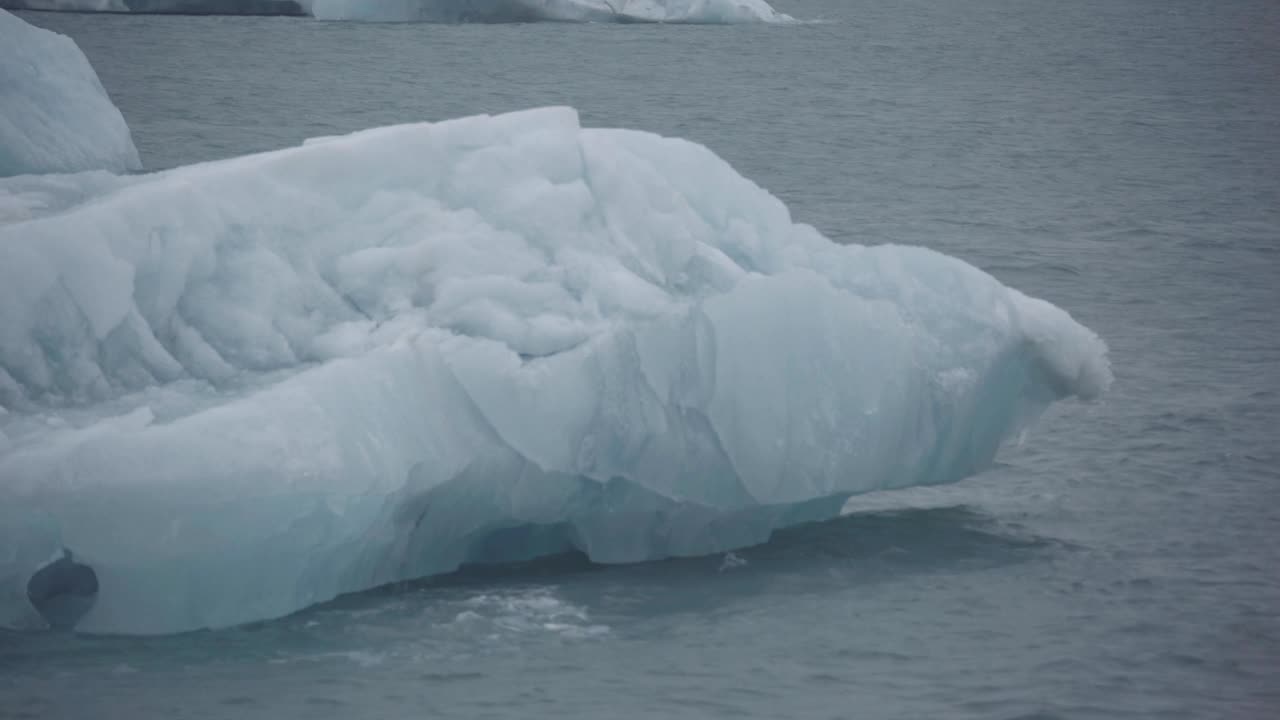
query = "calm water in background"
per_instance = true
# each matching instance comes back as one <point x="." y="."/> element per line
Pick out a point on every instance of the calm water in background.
<point x="1120" y="158"/>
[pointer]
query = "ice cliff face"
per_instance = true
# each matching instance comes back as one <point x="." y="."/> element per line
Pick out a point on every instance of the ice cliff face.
<point x="239" y="388"/>
<point x="54" y="114"/>
<point x="666" y="11"/>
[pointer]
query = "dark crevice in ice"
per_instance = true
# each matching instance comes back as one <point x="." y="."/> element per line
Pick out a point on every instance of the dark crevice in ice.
<point x="63" y="591"/>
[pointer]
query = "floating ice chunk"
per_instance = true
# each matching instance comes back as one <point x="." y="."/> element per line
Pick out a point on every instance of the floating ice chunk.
<point x="240" y="388"/>
<point x="54" y="114"/>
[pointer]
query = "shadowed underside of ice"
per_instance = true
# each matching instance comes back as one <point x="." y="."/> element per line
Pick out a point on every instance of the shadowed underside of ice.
<point x="644" y="11"/>
<point x="54" y="114"/>
<point x="240" y="388"/>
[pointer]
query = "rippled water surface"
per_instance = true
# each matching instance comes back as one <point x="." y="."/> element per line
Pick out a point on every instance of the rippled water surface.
<point x="1120" y="158"/>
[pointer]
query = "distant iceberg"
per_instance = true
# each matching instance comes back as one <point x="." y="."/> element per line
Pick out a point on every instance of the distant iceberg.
<point x="68" y="5"/>
<point x="239" y="388"/>
<point x="54" y="114"/>
<point x="176" y="7"/>
<point x="447" y="11"/>
<point x="641" y="11"/>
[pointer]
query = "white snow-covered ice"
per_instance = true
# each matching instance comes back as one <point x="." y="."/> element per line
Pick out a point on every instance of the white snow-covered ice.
<point x="54" y="114"/>
<point x="645" y="11"/>
<point x="239" y="388"/>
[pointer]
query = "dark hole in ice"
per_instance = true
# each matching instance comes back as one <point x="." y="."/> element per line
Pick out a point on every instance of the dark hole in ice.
<point x="63" y="591"/>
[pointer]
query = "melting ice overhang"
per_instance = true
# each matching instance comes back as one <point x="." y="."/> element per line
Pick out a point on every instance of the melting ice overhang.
<point x="239" y="388"/>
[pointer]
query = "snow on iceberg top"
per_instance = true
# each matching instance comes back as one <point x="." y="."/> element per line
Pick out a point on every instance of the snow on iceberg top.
<point x="521" y="229"/>
<point x="375" y="357"/>
<point x="54" y="114"/>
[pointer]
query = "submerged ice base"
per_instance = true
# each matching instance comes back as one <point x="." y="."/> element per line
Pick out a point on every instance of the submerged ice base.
<point x="54" y="114"/>
<point x="239" y="388"/>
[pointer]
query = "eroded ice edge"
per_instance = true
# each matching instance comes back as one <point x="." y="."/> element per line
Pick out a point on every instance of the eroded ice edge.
<point x="239" y="388"/>
<point x="54" y="114"/>
<point x="644" y="11"/>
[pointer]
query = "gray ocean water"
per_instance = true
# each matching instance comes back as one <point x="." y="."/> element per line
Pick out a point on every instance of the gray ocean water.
<point x="1120" y="158"/>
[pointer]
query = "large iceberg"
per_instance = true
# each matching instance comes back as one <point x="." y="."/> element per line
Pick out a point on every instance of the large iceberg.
<point x="644" y="11"/>
<point x="236" y="389"/>
<point x="54" y="114"/>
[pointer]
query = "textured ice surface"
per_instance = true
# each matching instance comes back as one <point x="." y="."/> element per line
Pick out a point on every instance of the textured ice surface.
<point x="54" y="114"/>
<point x="239" y="388"/>
<point x="668" y="11"/>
